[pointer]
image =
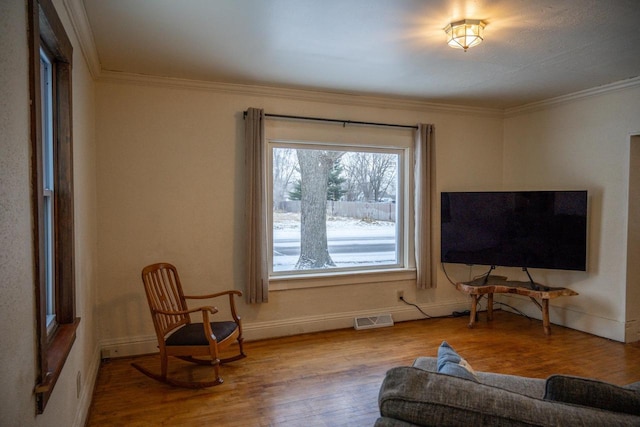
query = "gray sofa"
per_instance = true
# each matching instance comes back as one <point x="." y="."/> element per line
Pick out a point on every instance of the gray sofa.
<point x="421" y="396"/>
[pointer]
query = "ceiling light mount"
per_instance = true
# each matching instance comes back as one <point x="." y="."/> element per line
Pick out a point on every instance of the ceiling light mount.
<point x="465" y="33"/>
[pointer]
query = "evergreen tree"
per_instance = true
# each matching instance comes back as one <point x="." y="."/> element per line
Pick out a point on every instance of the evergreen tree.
<point x="296" y="193"/>
<point x="334" y="188"/>
<point x="335" y="191"/>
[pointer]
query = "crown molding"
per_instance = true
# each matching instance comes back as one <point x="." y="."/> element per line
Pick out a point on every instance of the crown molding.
<point x="82" y="29"/>
<point x="572" y="97"/>
<point x="295" y="94"/>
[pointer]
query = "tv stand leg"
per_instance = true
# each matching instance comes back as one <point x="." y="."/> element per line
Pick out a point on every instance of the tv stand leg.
<point x="474" y="310"/>
<point x="546" y="325"/>
<point x="544" y="308"/>
<point x="490" y="306"/>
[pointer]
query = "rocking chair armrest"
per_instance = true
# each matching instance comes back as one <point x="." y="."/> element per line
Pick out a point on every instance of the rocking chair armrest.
<point x="232" y="303"/>
<point x="212" y="310"/>
<point x="218" y="294"/>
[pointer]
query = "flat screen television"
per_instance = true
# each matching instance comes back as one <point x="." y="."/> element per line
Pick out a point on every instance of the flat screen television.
<point x="527" y="229"/>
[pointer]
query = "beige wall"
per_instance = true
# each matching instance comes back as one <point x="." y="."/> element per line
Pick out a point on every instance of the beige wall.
<point x="170" y="188"/>
<point x="17" y="376"/>
<point x="17" y="306"/>
<point x="583" y="144"/>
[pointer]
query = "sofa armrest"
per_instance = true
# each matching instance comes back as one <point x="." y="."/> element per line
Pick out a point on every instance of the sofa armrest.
<point x="426" y="398"/>
<point x="532" y="387"/>
<point x="426" y="363"/>
<point x="592" y="393"/>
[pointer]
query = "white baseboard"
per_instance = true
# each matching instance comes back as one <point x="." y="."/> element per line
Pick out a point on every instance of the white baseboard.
<point x="568" y="317"/>
<point x="128" y="346"/>
<point x="88" y="387"/>
<point x="252" y="331"/>
<point x="307" y="324"/>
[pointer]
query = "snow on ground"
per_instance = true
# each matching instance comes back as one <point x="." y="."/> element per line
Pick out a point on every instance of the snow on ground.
<point x="341" y="231"/>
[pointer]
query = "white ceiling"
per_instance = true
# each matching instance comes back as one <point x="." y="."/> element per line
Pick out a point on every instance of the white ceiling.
<point x="533" y="49"/>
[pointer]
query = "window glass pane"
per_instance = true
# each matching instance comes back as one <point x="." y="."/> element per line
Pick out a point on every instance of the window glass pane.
<point x="46" y="75"/>
<point x="335" y="208"/>
<point x="47" y="119"/>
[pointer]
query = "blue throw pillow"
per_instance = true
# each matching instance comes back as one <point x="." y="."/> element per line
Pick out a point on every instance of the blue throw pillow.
<point x="450" y="363"/>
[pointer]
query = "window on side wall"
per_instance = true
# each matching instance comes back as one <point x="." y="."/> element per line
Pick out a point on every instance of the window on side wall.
<point x="52" y="166"/>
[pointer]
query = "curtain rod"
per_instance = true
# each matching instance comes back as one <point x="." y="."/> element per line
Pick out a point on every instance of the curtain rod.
<point x="344" y="122"/>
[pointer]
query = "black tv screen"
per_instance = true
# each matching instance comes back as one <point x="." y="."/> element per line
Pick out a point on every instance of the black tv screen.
<point x="528" y="229"/>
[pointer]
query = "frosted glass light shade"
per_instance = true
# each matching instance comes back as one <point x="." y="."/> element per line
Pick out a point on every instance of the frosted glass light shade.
<point x="465" y="33"/>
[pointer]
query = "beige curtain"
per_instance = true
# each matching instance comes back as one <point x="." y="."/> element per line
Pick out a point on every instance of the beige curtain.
<point x="423" y="199"/>
<point x="257" y="286"/>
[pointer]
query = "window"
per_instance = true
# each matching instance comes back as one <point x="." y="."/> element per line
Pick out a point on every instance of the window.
<point x="336" y="208"/>
<point x="339" y="203"/>
<point x="51" y="144"/>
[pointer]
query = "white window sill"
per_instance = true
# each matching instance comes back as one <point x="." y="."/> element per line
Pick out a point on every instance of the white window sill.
<point x="340" y="279"/>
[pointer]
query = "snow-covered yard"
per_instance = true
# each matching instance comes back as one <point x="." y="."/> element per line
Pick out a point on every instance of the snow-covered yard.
<point x="352" y="241"/>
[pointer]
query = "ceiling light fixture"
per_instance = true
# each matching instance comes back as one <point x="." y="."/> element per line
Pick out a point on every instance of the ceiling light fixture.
<point x="465" y="33"/>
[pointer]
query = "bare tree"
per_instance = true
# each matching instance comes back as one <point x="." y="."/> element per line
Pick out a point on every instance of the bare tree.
<point x="382" y="174"/>
<point x="284" y="169"/>
<point x="357" y="168"/>
<point x="315" y="167"/>
<point x="370" y="175"/>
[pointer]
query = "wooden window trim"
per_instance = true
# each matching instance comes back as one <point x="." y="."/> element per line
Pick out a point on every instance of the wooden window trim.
<point x="46" y="29"/>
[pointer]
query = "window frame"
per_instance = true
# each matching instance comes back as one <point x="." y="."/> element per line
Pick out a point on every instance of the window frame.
<point x="403" y="270"/>
<point x="53" y="344"/>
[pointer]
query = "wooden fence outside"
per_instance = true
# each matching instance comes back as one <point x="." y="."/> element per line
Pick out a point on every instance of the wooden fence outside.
<point x="381" y="211"/>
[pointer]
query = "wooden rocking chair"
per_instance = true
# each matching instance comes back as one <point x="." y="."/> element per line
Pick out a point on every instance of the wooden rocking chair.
<point x="177" y="336"/>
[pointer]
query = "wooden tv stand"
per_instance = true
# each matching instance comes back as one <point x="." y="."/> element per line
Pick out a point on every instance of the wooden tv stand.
<point x="500" y="285"/>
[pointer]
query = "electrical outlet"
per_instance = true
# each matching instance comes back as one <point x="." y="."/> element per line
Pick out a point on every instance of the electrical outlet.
<point x="399" y="295"/>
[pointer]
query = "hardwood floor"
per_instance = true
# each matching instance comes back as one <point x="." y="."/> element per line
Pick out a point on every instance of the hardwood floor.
<point x="333" y="378"/>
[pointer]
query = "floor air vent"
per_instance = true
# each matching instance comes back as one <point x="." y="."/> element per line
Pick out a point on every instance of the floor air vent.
<point x="379" y="321"/>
